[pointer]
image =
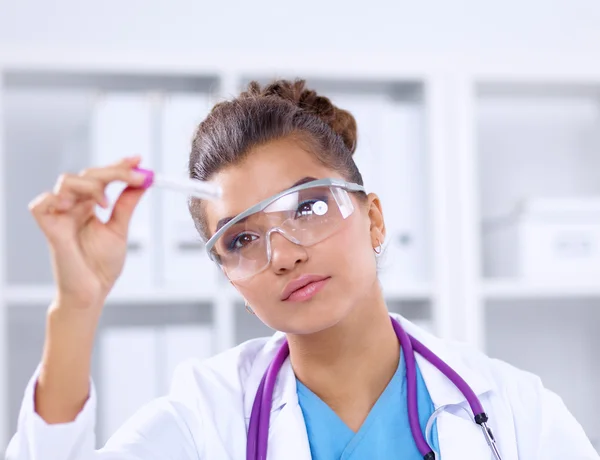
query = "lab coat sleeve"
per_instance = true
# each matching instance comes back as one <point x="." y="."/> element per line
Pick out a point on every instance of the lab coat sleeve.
<point x="159" y="431"/>
<point x="562" y="437"/>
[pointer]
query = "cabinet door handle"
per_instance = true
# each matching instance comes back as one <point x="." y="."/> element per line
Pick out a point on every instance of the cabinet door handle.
<point x="134" y="246"/>
<point x="190" y="245"/>
<point x="404" y="239"/>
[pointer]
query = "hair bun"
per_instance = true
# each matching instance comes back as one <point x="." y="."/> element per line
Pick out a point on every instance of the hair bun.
<point x="340" y="121"/>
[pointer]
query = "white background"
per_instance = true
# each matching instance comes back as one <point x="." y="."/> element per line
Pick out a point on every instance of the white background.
<point x="460" y="27"/>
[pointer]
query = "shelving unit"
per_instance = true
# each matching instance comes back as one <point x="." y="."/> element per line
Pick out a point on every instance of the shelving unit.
<point x="5" y="422"/>
<point x="531" y="139"/>
<point x="433" y="143"/>
<point x="108" y="111"/>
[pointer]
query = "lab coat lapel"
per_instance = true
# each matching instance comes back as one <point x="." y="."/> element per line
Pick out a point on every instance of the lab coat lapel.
<point x="287" y="436"/>
<point x="287" y="430"/>
<point x="460" y="438"/>
<point x="256" y="371"/>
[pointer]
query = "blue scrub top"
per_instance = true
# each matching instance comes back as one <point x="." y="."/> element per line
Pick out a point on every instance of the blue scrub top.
<point x="385" y="433"/>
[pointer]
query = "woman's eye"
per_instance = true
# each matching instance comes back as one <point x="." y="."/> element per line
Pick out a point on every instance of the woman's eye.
<point x="304" y="209"/>
<point x="307" y="208"/>
<point x="241" y="240"/>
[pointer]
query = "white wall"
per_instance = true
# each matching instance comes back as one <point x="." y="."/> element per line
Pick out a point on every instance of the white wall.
<point x="457" y="27"/>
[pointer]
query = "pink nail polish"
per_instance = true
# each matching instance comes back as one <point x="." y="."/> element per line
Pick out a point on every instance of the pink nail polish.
<point x="148" y="176"/>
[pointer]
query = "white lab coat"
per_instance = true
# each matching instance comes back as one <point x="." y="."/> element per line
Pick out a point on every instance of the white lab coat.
<point x="206" y="414"/>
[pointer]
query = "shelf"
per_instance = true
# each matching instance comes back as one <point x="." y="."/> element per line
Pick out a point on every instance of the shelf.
<point x="507" y="289"/>
<point x="409" y="291"/>
<point x="35" y="295"/>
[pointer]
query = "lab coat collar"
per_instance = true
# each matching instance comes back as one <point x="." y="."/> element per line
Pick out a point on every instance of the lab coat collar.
<point x="441" y="390"/>
<point x="463" y="360"/>
<point x="285" y="384"/>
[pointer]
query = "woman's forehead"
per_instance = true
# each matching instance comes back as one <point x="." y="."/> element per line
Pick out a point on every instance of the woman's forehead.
<point x="266" y="171"/>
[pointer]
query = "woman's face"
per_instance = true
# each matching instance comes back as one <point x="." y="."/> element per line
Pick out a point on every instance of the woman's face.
<point x="345" y="259"/>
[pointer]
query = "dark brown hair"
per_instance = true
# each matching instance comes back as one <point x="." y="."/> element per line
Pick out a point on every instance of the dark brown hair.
<point x="259" y="115"/>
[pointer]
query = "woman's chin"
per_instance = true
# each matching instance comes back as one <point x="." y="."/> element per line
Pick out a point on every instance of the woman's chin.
<point x="311" y="320"/>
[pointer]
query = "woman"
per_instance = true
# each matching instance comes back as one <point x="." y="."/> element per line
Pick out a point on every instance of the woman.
<point x="304" y="259"/>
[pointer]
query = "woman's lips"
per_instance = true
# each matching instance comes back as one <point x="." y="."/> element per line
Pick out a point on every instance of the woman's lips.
<point x="304" y="287"/>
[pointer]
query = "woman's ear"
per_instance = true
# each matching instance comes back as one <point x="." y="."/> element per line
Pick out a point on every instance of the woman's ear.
<point x="377" y="223"/>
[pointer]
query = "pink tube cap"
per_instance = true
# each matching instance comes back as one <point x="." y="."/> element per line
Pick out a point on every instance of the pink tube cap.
<point x="149" y="176"/>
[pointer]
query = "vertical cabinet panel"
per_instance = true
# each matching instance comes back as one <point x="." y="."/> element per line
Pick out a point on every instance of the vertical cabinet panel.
<point x="136" y="362"/>
<point x="403" y="185"/>
<point x="129" y="372"/>
<point x="179" y="343"/>
<point x="185" y="263"/>
<point x="122" y="125"/>
<point x="392" y="156"/>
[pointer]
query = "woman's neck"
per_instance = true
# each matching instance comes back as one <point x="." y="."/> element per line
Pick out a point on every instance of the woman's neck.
<point x="349" y="365"/>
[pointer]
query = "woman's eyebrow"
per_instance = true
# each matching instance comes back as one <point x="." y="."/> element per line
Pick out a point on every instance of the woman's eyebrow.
<point x="304" y="180"/>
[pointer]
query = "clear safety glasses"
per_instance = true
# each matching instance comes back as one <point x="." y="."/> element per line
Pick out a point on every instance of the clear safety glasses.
<point x="305" y="215"/>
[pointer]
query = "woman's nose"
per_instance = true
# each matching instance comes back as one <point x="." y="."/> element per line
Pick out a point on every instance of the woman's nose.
<point x="285" y="254"/>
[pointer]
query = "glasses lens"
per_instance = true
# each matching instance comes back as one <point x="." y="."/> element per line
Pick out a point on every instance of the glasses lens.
<point x="305" y="217"/>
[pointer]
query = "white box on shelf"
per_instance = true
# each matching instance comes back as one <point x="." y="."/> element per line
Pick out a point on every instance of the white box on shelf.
<point x="128" y="374"/>
<point x="559" y="240"/>
<point x="184" y="259"/>
<point x="402" y="188"/>
<point x="121" y="126"/>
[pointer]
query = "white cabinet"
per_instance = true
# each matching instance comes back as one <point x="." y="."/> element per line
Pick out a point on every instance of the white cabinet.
<point x="80" y="121"/>
<point x="393" y="156"/>
<point x="556" y="339"/>
<point x="403" y="181"/>
<point x="137" y="365"/>
<point x="130" y="374"/>
<point x="538" y="182"/>
<point x="533" y="144"/>
<point x="367" y="110"/>
<point x="178" y="343"/>
<point x="185" y="264"/>
<point x="122" y="125"/>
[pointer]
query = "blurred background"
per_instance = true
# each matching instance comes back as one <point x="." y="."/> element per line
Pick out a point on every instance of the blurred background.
<point x="479" y="126"/>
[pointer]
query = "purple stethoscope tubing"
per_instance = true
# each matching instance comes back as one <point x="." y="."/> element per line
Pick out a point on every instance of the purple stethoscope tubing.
<point x="258" y="429"/>
<point x="410" y="345"/>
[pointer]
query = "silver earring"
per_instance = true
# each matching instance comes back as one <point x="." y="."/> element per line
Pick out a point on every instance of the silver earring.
<point x="249" y="309"/>
<point x="377" y="248"/>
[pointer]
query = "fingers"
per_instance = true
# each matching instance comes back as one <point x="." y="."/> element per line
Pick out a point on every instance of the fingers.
<point x="49" y="203"/>
<point x="121" y="171"/>
<point x="76" y="189"/>
<point x="91" y="183"/>
<point x="131" y="162"/>
<point x="124" y="208"/>
<point x="87" y="186"/>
